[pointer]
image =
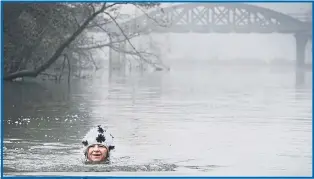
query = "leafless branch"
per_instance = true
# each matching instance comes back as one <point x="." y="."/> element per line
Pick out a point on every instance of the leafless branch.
<point x="107" y="44"/>
<point x="93" y="8"/>
<point x="133" y="53"/>
<point x="149" y="17"/>
<point x="111" y="5"/>
<point x="97" y="24"/>
<point x="110" y="43"/>
<point x="121" y="30"/>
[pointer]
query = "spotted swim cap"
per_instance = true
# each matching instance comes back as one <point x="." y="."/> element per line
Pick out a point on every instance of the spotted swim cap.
<point x="98" y="135"/>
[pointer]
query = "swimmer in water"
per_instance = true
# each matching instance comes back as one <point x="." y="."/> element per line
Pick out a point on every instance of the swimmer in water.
<point x="98" y="143"/>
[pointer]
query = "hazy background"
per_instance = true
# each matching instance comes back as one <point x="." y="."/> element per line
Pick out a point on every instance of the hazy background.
<point x="205" y="47"/>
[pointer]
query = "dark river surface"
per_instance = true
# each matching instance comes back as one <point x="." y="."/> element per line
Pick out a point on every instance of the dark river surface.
<point x="215" y="120"/>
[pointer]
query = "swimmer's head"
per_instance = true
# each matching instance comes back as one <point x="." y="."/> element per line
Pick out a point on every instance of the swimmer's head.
<point x="98" y="143"/>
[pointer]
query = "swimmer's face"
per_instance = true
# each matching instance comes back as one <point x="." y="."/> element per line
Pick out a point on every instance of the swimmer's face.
<point x="97" y="153"/>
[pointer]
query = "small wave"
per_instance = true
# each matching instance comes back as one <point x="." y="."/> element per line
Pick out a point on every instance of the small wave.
<point x="96" y="168"/>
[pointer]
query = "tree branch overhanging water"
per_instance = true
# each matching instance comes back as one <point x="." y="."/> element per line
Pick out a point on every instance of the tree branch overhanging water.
<point x="52" y="42"/>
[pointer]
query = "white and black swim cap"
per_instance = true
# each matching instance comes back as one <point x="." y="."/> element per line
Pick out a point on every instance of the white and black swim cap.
<point x="98" y="135"/>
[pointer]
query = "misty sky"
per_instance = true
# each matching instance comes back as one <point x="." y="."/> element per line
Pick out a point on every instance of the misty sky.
<point x="286" y="7"/>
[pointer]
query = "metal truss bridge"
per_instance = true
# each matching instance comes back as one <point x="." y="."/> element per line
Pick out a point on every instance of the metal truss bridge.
<point x="215" y="18"/>
<point x="219" y="18"/>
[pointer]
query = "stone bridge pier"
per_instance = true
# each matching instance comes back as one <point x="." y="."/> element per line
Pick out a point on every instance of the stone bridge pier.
<point x="301" y="40"/>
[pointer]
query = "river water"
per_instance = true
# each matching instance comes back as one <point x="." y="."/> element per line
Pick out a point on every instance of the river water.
<point x="200" y="119"/>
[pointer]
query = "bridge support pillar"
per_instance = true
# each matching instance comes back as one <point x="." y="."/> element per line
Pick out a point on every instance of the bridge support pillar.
<point x="301" y="41"/>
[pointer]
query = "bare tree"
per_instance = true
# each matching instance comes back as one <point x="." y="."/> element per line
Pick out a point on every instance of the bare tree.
<point x="53" y="30"/>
